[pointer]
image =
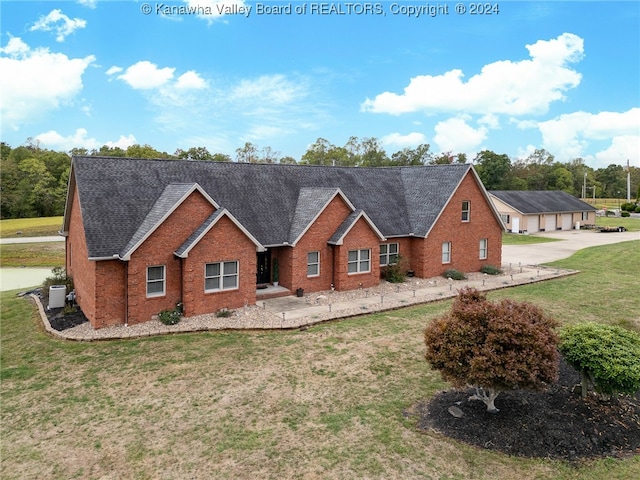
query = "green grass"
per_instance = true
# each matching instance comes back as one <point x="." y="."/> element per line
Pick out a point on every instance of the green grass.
<point x="44" y="254"/>
<point x="30" y="227"/>
<point x="518" y="239"/>
<point x="329" y="402"/>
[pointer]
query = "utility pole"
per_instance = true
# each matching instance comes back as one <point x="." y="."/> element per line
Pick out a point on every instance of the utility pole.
<point x="584" y="187"/>
<point x="628" y="182"/>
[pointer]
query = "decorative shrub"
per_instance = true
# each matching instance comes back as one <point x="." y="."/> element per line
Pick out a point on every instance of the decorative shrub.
<point x="625" y="214"/>
<point x="454" y="274"/>
<point x="607" y="356"/>
<point x="169" y="317"/>
<point x="223" y="313"/>
<point x="638" y="209"/>
<point x="610" y="213"/>
<point x="493" y="346"/>
<point x="396" y="272"/>
<point x="490" y="270"/>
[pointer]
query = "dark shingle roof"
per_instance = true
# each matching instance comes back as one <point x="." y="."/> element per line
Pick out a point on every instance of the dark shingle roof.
<point x="541" y="201"/>
<point x="272" y="202"/>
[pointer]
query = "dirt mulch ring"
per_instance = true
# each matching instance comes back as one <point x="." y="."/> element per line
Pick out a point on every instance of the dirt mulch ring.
<point x="553" y="424"/>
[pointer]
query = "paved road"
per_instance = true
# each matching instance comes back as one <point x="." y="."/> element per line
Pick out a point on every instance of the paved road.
<point x="570" y="242"/>
<point x="55" y="238"/>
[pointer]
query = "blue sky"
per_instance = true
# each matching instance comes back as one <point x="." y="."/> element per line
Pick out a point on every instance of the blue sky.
<point x="563" y="76"/>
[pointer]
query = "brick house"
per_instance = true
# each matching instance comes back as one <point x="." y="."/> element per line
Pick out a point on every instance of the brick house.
<point x="143" y="235"/>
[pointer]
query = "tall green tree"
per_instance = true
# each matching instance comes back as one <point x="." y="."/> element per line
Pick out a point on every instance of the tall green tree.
<point x="493" y="169"/>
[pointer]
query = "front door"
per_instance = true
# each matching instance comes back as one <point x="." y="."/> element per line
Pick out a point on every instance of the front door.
<point x="264" y="268"/>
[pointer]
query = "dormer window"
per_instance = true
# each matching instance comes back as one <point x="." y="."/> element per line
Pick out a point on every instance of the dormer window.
<point x="466" y="210"/>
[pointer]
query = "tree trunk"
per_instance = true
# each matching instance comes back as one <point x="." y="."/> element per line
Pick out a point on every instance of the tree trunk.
<point x="487" y="396"/>
<point x="585" y="384"/>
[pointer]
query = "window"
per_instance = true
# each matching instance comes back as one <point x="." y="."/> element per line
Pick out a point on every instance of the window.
<point x="585" y="216"/>
<point x="220" y="276"/>
<point x="466" y="207"/>
<point x="155" y="281"/>
<point x="483" y="248"/>
<point x="446" y="252"/>
<point x="359" y="261"/>
<point x="505" y="218"/>
<point x="313" y="264"/>
<point x="388" y="254"/>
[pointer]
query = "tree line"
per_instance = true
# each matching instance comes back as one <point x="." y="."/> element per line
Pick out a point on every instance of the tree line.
<point x="33" y="180"/>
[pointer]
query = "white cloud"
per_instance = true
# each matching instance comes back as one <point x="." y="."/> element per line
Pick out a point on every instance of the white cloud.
<point x="622" y="148"/>
<point x="114" y="70"/>
<point x="276" y="89"/>
<point x="59" y="23"/>
<point x="412" y="139"/>
<point x="503" y="87"/>
<point x="37" y="81"/>
<point x="80" y="139"/>
<point x="145" y="75"/>
<point x="455" y="135"/>
<point x="190" y="81"/>
<point x="569" y="136"/>
<point x="88" y="3"/>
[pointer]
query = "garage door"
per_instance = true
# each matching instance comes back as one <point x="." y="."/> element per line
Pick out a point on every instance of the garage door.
<point x="566" y="221"/>
<point x="533" y="223"/>
<point x="550" y="223"/>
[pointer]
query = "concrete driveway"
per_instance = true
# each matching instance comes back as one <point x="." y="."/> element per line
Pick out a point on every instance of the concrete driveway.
<point x="570" y="241"/>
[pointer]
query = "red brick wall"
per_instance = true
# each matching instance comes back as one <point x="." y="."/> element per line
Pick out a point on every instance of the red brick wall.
<point x="294" y="261"/>
<point x="359" y="237"/>
<point x="78" y="265"/>
<point x="158" y="249"/>
<point x="224" y="242"/>
<point x="110" y="298"/>
<point x="464" y="236"/>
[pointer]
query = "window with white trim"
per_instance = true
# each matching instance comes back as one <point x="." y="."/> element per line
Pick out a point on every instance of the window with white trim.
<point x="466" y="210"/>
<point x="156" y="281"/>
<point x="446" y="252"/>
<point x="585" y="216"/>
<point x="359" y="261"/>
<point x="220" y="276"/>
<point x="505" y="218"/>
<point x="313" y="264"/>
<point x="484" y="245"/>
<point x="388" y="254"/>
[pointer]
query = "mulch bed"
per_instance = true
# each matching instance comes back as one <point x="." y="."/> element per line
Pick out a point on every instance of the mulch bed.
<point x="58" y="319"/>
<point x="556" y="423"/>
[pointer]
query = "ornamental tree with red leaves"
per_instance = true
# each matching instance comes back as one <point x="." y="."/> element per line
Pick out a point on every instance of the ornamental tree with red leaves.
<point x="493" y="346"/>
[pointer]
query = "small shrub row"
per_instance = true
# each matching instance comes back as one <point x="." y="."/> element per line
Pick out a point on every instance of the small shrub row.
<point x="490" y="270"/>
<point x="223" y="313"/>
<point x="454" y="274"/>
<point x="396" y="272"/>
<point x="170" y="317"/>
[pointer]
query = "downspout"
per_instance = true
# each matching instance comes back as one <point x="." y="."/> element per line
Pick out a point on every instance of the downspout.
<point x="126" y="294"/>
<point x="333" y="267"/>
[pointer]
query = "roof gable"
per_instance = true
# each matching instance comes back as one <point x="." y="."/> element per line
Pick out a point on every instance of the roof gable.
<point x="311" y="203"/>
<point x="206" y="226"/>
<point x="171" y="197"/>
<point x="541" y="201"/>
<point x="343" y="230"/>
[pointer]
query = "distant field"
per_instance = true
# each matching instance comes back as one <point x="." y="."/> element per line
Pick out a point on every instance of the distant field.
<point x="30" y="227"/>
<point x="45" y="254"/>
<point x="631" y="224"/>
